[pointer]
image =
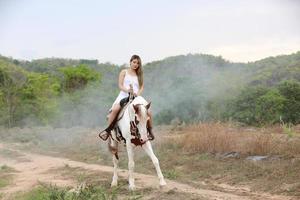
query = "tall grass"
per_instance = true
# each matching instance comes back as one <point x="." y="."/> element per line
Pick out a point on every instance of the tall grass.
<point x="226" y="137"/>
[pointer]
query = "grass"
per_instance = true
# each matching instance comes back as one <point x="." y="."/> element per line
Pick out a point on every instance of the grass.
<point x="92" y="185"/>
<point x="287" y="130"/>
<point x="9" y="153"/>
<point x="186" y="155"/>
<point x="267" y="176"/>
<point x="94" y="192"/>
<point x="6" y="176"/>
<point x="196" y="146"/>
<point x="171" y="174"/>
<point x="222" y="138"/>
<point x="52" y="192"/>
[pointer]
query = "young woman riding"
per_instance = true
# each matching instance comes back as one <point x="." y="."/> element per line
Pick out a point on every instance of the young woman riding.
<point x="130" y="81"/>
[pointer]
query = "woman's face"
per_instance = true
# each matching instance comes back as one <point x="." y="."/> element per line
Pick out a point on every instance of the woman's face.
<point x="134" y="64"/>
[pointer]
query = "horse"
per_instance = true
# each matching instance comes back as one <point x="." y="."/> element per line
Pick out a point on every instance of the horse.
<point x="134" y="116"/>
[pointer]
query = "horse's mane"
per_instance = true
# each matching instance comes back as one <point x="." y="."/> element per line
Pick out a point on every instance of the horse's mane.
<point x="139" y="100"/>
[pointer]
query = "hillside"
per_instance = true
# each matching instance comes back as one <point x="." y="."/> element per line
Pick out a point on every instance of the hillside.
<point x="191" y="88"/>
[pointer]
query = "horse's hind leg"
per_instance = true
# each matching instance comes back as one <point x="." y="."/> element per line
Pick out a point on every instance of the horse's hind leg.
<point x="115" y="176"/>
<point x="113" y="147"/>
<point x="148" y="149"/>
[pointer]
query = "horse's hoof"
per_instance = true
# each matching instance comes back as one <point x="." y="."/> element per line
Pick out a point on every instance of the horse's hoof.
<point x="114" y="184"/>
<point x="162" y="183"/>
<point x="131" y="187"/>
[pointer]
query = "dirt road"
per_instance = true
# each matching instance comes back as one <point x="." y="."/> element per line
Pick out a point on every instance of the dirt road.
<point x="32" y="168"/>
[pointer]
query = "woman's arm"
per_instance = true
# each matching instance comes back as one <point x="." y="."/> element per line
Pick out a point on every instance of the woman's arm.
<point x="121" y="80"/>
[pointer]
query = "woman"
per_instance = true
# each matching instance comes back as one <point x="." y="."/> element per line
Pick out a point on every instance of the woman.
<point x="130" y="80"/>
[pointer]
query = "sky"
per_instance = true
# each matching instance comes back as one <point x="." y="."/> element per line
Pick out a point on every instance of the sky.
<point x="112" y="31"/>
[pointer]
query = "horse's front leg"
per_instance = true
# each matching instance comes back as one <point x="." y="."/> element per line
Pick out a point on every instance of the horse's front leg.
<point x="148" y="149"/>
<point x="115" y="176"/>
<point x="130" y="164"/>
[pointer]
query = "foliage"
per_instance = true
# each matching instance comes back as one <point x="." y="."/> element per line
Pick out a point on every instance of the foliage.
<point x="38" y="97"/>
<point x="190" y="88"/>
<point x="291" y="109"/>
<point x="269" y="107"/>
<point x="52" y="192"/>
<point x="263" y="105"/>
<point x="12" y="79"/>
<point x="31" y="98"/>
<point x="77" y="77"/>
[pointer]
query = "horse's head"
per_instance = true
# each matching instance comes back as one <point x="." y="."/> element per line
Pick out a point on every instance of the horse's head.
<point x="141" y="118"/>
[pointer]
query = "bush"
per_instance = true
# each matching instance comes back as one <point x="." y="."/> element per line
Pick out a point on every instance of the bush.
<point x="78" y="77"/>
<point x="243" y="108"/>
<point x="291" y="106"/>
<point x="269" y="107"/>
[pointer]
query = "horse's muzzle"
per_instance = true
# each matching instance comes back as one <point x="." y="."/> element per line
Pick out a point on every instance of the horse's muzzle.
<point x="143" y="141"/>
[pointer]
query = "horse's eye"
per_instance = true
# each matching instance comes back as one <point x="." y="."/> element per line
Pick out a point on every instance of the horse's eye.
<point x="136" y="120"/>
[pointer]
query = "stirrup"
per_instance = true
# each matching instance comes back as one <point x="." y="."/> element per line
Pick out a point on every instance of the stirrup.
<point x="104" y="135"/>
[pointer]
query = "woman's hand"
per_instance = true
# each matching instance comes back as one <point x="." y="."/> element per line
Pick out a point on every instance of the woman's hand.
<point x="130" y="89"/>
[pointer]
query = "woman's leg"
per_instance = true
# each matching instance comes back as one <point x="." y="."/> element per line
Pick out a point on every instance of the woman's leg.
<point x="149" y="125"/>
<point x="115" y="110"/>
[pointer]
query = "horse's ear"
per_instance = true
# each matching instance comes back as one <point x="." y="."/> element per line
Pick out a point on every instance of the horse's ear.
<point x="136" y="108"/>
<point x="148" y="105"/>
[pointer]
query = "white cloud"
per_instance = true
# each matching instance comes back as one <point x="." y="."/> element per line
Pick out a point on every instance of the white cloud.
<point x="254" y="51"/>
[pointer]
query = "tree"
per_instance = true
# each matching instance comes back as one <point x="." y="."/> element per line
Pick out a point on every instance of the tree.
<point x="12" y="80"/>
<point x="243" y="108"/>
<point x="291" y="108"/>
<point x="38" y="98"/>
<point x="75" y="78"/>
<point x="269" y="107"/>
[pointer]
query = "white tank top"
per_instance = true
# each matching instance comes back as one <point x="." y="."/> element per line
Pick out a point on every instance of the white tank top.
<point x="128" y="79"/>
<point x="131" y="79"/>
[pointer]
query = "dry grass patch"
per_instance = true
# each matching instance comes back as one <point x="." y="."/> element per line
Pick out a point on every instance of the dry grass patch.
<point x="221" y="138"/>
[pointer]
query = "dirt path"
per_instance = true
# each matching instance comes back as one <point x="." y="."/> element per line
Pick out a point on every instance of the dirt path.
<point x="33" y="168"/>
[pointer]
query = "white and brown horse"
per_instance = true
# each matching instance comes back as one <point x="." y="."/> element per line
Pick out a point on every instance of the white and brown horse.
<point x="135" y="114"/>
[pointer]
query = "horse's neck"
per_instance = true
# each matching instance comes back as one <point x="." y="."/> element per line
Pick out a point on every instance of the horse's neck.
<point x="127" y="117"/>
<point x="124" y="123"/>
<point x="139" y="100"/>
<point x="129" y="112"/>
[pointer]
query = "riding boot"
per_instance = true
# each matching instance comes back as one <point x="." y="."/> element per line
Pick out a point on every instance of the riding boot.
<point x="107" y="132"/>
<point x="149" y="129"/>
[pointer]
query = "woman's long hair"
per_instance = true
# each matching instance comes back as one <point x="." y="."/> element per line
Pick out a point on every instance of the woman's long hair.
<point x="139" y="70"/>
